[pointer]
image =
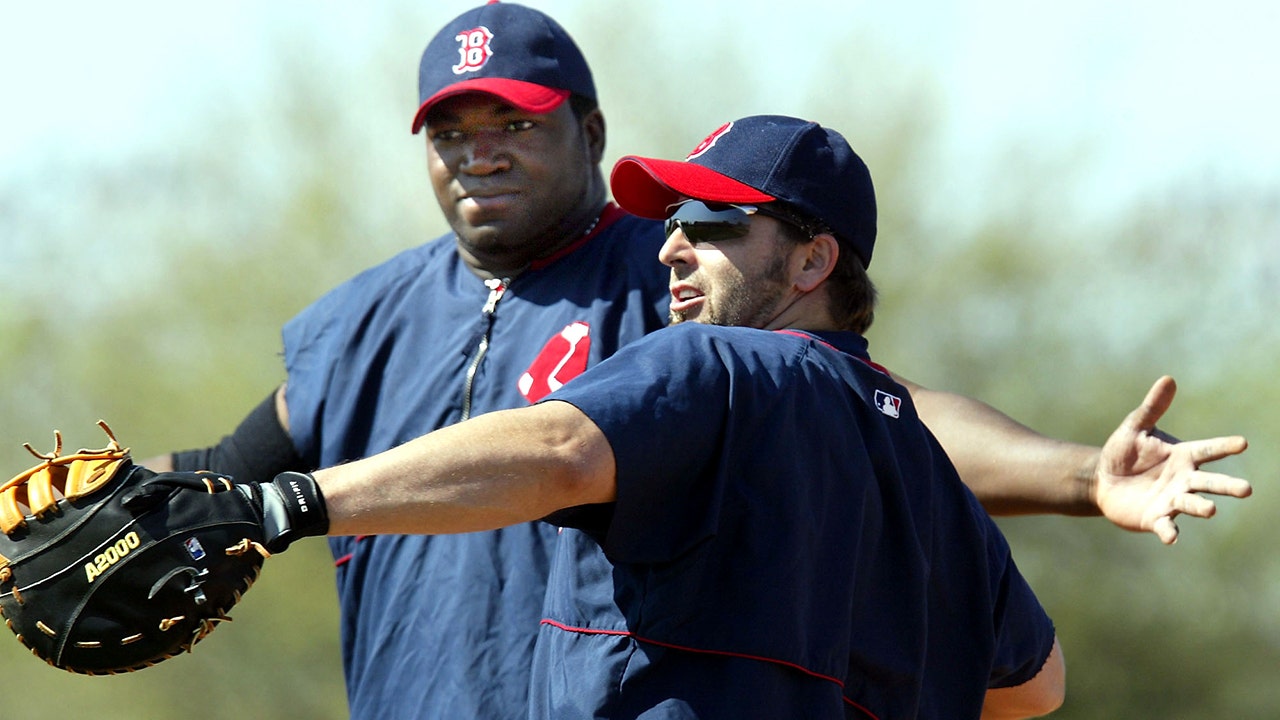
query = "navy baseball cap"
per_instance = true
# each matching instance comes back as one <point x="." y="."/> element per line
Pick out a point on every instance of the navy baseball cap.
<point x="760" y="159"/>
<point x="507" y="50"/>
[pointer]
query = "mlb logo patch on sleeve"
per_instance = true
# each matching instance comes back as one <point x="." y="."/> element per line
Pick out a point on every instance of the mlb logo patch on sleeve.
<point x="890" y="405"/>
<point x="562" y="359"/>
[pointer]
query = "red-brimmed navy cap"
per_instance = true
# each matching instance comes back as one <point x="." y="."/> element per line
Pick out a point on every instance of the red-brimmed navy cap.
<point x="759" y="159"/>
<point x="506" y="50"/>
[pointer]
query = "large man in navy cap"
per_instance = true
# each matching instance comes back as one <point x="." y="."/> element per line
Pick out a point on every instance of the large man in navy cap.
<point x="540" y="278"/>
<point x="756" y="522"/>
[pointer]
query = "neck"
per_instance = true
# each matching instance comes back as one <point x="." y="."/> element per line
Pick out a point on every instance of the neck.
<point x="494" y="262"/>
<point x="805" y="311"/>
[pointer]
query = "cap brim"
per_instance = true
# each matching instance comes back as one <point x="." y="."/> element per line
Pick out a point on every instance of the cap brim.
<point x="650" y="187"/>
<point x="529" y="97"/>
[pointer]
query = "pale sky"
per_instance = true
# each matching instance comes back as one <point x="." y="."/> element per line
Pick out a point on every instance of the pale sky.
<point x="1161" y="88"/>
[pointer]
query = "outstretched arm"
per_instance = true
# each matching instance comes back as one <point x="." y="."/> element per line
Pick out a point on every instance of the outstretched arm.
<point x="497" y="469"/>
<point x="1141" y="479"/>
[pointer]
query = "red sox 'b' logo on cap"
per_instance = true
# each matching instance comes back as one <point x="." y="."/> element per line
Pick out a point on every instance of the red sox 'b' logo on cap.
<point x="474" y="49"/>
<point x="710" y="141"/>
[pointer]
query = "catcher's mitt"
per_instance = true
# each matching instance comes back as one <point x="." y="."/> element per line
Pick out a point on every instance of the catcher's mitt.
<point x="107" y="567"/>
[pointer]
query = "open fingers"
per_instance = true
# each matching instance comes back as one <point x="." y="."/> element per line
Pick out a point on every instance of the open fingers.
<point x="1154" y="405"/>
<point x="1219" y="484"/>
<point x="1165" y="529"/>
<point x="1192" y="504"/>
<point x="1211" y="449"/>
<point x="1195" y="505"/>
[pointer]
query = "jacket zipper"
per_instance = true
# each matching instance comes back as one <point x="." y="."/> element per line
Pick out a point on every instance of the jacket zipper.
<point x="497" y="288"/>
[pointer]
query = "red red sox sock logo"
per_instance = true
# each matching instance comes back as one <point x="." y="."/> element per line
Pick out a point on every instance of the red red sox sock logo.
<point x="474" y="49"/>
<point x="562" y="359"/>
<point x="710" y="140"/>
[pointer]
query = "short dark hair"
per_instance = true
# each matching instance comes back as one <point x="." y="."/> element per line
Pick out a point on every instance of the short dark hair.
<point x="851" y="294"/>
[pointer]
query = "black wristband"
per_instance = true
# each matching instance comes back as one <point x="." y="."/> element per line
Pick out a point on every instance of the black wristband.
<point x="292" y="507"/>
<point x="257" y="450"/>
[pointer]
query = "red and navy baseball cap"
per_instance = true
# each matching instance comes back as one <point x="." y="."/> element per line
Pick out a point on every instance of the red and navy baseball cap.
<point x="507" y="50"/>
<point x="760" y="159"/>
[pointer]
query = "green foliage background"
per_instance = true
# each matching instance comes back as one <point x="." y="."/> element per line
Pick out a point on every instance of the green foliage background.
<point x="149" y="291"/>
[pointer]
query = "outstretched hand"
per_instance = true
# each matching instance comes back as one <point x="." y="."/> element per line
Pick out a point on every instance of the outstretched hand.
<point x="1146" y="478"/>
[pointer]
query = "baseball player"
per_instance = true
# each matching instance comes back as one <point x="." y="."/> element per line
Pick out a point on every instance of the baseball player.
<point x="544" y="279"/>
<point x="540" y="278"/>
<point x="753" y="533"/>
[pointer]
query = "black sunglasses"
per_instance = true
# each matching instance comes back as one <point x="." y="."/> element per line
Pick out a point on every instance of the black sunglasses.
<point x="714" y="222"/>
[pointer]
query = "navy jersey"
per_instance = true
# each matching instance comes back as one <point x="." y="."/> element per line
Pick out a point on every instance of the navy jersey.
<point x="444" y="627"/>
<point x="788" y="540"/>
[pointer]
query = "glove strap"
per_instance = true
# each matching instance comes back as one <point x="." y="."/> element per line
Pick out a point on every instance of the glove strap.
<point x="292" y="507"/>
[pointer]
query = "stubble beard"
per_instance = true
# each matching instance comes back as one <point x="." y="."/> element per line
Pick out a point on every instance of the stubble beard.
<point x="743" y="301"/>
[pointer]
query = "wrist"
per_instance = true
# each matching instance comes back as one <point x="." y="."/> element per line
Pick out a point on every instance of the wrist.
<point x="292" y="508"/>
<point x="1088" y="501"/>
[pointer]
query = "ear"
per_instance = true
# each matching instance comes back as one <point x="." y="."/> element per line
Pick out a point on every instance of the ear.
<point x="819" y="255"/>
<point x="593" y="130"/>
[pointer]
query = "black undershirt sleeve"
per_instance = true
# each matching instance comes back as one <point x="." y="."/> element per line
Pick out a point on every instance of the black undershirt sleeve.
<point x="257" y="451"/>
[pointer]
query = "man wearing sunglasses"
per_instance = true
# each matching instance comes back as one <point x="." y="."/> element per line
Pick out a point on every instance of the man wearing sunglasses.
<point x="755" y="521"/>
<point x="540" y="279"/>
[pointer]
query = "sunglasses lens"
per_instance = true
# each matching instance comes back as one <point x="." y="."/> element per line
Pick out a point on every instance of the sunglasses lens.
<point x="704" y="224"/>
